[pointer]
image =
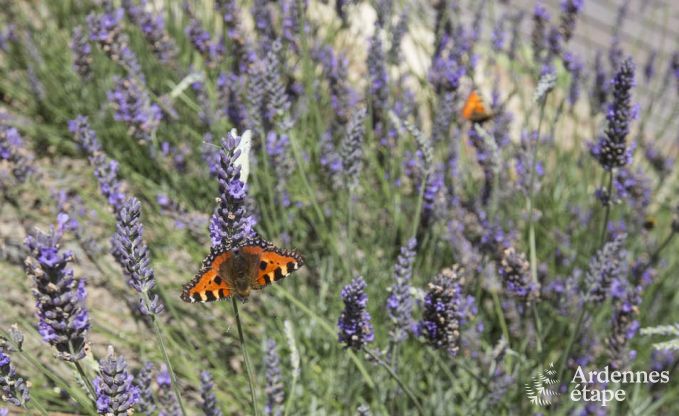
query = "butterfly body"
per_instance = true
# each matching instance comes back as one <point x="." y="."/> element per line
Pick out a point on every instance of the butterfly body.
<point x="238" y="268"/>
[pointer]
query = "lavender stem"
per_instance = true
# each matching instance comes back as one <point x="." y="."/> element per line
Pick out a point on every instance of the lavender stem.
<point x="248" y="366"/>
<point x="156" y="329"/>
<point x="398" y="380"/>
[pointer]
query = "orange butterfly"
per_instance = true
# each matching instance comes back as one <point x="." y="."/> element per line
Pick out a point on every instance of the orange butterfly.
<point x="239" y="268"/>
<point x="475" y="110"/>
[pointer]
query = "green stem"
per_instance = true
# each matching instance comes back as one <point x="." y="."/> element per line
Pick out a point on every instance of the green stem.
<point x="583" y="311"/>
<point x="248" y="366"/>
<point x="36" y="404"/>
<point x="531" y="227"/>
<point x="571" y="340"/>
<point x="86" y="380"/>
<point x="418" y="208"/>
<point x="398" y="380"/>
<point x="159" y="336"/>
<point x="328" y="328"/>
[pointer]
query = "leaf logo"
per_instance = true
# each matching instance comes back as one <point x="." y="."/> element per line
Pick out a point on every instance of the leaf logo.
<point x="539" y="391"/>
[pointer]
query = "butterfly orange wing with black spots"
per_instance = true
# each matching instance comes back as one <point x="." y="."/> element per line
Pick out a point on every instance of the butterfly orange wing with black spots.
<point x="274" y="263"/>
<point x="474" y="109"/>
<point x="207" y="286"/>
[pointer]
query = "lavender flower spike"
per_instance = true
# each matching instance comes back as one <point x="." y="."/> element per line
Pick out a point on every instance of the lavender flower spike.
<point x="611" y="150"/>
<point x="400" y="302"/>
<point x="142" y="380"/>
<point x="355" y="329"/>
<point x="569" y="14"/>
<point x="352" y="148"/>
<point x="167" y="400"/>
<point x="275" y="395"/>
<point x="116" y="395"/>
<point x="59" y="297"/>
<point x="132" y="254"/>
<point x="209" y="405"/>
<point x="609" y="263"/>
<point x="514" y="270"/>
<point x="440" y="323"/>
<point x="230" y="219"/>
<point x="133" y="107"/>
<point x="13" y="389"/>
<point x="105" y="169"/>
<point x="82" y="53"/>
<point x="18" y="157"/>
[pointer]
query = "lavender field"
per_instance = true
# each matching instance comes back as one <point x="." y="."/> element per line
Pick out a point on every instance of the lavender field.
<point x="303" y="207"/>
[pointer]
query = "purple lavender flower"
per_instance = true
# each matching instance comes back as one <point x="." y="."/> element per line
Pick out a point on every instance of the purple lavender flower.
<point x="660" y="161"/>
<point x="524" y="162"/>
<point x="515" y="274"/>
<point x="275" y="394"/>
<point x="209" y="404"/>
<point x="206" y="113"/>
<point x="133" y="107"/>
<point x="230" y="219"/>
<point x="212" y="50"/>
<point x="352" y="148"/>
<point x="443" y="304"/>
<point x="378" y="83"/>
<point x="153" y="28"/>
<point x="277" y="102"/>
<point x="256" y="90"/>
<point x="116" y="395"/>
<point x="167" y="400"/>
<point x="105" y="169"/>
<point x="611" y="150"/>
<point x="400" y="301"/>
<point x="132" y="254"/>
<point x="574" y="66"/>
<point x="7" y="37"/>
<point x="649" y="67"/>
<point x="230" y="88"/>
<point x="541" y="19"/>
<point x="19" y="159"/>
<point x="515" y="39"/>
<point x="600" y="86"/>
<point x="634" y="188"/>
<point x="82" y="53"/>
<point x="142" y="381"/>
<point x="569" y="14"/>
<point x="291" y="20"/>
<point x="397" y="35"/>
<point x="59" y="297"/>
<point x="608" y="264"/>
<point x="240" y="48"/>
<point x="355" y="329"/>
<point x="106" y="30"/>
<point x="13" y="389"/>
<point x="263" y="20"/>
<point x="433" y="188"/>
<point x="624" y="325"/>
<point x="673" y="70"/>
<point x="487" y="157"/>
<point x="342" y="96"/>
<point x="498" y="36"/>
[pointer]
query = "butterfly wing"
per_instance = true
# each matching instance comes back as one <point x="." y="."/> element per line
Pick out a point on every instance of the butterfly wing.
<point x="474" y="109"/>
<point x="274" y="263"/>
<point x="207" y="286"/>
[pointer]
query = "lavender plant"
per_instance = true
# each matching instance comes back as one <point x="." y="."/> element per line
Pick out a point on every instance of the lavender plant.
<point x="63" y="319"/>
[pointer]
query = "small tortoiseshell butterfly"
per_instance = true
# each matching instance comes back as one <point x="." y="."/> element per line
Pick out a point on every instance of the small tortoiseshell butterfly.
<point x="475" y="110"/>
<point x="236" y="269"/>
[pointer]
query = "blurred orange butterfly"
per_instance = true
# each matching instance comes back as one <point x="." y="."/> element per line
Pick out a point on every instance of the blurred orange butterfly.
<point x="475" y="110"/>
